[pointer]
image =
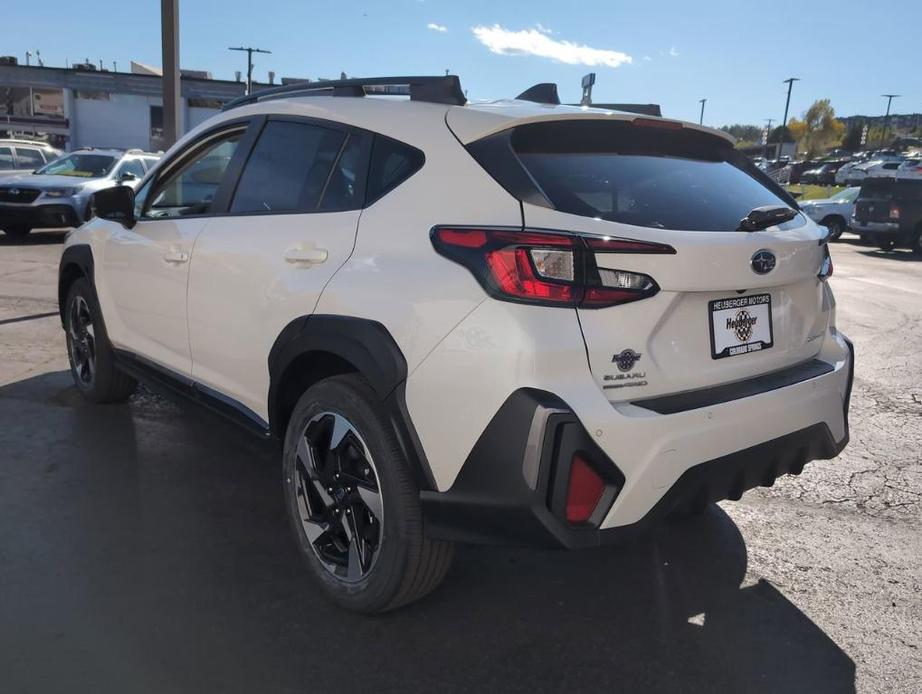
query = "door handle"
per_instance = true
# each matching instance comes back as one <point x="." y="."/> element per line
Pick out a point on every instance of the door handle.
<point x="176" y="257"/>
<point x="300" y="255"/>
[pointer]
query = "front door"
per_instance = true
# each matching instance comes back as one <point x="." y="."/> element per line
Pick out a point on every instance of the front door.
<point x="146" y="268"/>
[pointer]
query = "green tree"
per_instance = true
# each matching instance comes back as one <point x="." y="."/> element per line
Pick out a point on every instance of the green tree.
<point x="747" y="133"/>
<point x="818" y="129"/>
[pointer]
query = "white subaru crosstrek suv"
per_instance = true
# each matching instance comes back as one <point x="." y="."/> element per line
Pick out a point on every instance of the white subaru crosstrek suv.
<point x="507" y="322"/>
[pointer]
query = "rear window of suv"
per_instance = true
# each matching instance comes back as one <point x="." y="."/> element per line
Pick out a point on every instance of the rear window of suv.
<point x="659" y="177"/>
<point x="889" y="189"/>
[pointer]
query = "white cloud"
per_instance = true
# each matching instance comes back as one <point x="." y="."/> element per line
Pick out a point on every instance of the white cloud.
<point x="543" y="29"/>
<point x="534" y="42"/>
<point x="673" y="52"/>
<point x="437" y="27"/>
<point x="647" y="58"/>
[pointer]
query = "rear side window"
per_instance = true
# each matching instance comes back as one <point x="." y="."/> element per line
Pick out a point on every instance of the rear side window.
<point x="288" y="168"/>
<point x="29" y="158"/>
<point x="6" y="158"/>
<point x="391" y="164"/>
<point x="658" y="177"/>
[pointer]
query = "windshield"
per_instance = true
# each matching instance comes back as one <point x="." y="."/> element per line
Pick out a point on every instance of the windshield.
<point x="80" y="165"/>
<point x="847" y="195"/>
<point x="645" y="176"/>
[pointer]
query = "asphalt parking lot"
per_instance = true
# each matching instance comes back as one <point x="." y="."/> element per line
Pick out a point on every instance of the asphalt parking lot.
<point x="144" y="548"/>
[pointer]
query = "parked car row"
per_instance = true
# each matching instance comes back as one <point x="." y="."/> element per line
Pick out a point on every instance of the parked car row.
<point x="21" y="156"/>
<point x="843" y="169"/>
<point x="885" y="211"/>
<point x="58" y="193"/>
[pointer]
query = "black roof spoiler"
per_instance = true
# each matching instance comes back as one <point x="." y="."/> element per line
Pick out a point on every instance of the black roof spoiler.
<point x="441" y="89"/>
<point x="541" y="93"/>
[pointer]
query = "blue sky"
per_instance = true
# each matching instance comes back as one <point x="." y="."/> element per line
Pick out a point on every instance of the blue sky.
<point x="735" y="53"/>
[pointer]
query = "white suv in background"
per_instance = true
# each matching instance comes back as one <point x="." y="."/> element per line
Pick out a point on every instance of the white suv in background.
<point x="505" y="322"/>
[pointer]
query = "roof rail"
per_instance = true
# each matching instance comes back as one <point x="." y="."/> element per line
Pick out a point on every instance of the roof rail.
<point x="441" y="89"/>
<point x="541" y="93"/>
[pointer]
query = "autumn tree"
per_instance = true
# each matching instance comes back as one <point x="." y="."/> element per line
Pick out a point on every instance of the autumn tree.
<point x="818" y="129"/>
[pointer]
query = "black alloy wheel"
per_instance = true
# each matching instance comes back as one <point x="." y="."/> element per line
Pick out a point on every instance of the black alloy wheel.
<point x="338" y="498"/>
<point x="81" y="341"/>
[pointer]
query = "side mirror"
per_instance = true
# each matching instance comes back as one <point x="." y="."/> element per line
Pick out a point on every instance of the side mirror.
<point x="127" y="176"/>
<point x="115" y="204"/>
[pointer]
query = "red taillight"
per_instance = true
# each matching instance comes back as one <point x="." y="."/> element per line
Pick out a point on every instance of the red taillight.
<point x="584" y="490"/>
<point x="547" y="268"/>
<point x="894" y="211"/>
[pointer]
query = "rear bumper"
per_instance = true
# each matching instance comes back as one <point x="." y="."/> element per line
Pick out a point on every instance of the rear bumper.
<point x="39" y="216"/>
<point x="512" y="487"/>
<point x="882" y="230"/>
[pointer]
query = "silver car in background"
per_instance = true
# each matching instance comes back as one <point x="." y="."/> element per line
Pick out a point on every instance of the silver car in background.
<point x="59" y="194"/>
<point x="833" y="213"/>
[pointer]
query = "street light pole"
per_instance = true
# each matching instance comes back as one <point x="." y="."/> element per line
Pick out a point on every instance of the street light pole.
<point x="249" y="51"/>
<point x="169" y="39"/>
<point x="701" y="119"/>
<point x="883" y="134"/>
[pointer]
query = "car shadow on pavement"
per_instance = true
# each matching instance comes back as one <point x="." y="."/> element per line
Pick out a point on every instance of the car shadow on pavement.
<point x="145" y="547"/>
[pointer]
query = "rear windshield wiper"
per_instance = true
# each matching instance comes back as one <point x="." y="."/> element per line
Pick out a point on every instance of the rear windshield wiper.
<point x="766" y="216"/>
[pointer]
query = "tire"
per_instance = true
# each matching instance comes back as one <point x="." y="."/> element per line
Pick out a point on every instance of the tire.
<point x="888" y="245"/>
<point x="917" y="242"/>
<point x="92" y="360"/>
<point x="835" y="225"/>
<point x="345" y="478"/>
<point x="17" y="233"/>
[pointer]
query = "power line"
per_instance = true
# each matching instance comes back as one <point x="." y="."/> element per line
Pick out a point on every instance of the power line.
<point x="249" y="51"/>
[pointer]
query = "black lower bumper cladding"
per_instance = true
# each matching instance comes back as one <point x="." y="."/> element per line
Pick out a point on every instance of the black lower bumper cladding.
<point x="39" y="217"/>
<point x="497" y="499"/>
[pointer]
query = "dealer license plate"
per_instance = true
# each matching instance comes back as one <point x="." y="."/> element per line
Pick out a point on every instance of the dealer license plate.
<point x="740" y="325"/>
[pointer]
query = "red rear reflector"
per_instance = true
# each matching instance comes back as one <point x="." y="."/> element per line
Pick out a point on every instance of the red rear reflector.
<point x="584" y="491"/>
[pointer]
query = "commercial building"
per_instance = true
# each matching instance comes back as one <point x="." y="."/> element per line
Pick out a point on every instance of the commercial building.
<point x="83" y="106"/>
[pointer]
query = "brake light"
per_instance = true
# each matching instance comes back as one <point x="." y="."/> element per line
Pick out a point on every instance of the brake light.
<point x="584" y="490"/>
<point x="547" y="268"/>
<point x="894" y="211"/>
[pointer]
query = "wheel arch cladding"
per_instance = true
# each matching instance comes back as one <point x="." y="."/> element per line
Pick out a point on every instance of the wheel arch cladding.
<point x="76" y="262"/>
<point x="311" y="348"/>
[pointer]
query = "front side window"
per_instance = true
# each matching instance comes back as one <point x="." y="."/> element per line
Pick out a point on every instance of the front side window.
<point x="80" y="165"/>
<point x="288" y="169"/>
<point x="191" y="189"/>
<point x="29" y="159"/>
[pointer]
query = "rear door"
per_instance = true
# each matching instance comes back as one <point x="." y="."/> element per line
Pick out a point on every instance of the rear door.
<point x="731" y="304"/>
<point x="291" y="224"/>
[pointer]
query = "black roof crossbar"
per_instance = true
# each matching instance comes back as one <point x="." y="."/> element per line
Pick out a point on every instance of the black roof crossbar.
<point x="541" y="93"/>
<point x="441" y="89"/>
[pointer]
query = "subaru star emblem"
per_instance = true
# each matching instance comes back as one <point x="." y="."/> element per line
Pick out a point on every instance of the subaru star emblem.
<point x="762" y="262"/>
<point x="14" y="191"/>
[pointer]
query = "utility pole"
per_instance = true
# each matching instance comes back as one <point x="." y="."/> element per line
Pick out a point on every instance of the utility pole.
<point x="883" y="134"/>
<point x="784" y="124"/>
<point x="169" y="39"/>
<point x="701" y="119"/>
<point x="249" y="51"/>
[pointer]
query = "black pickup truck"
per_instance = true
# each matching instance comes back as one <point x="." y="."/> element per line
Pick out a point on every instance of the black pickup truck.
<point x="888" y="211"/>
